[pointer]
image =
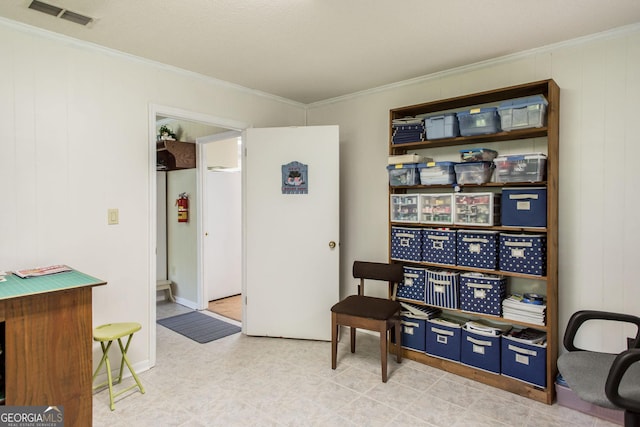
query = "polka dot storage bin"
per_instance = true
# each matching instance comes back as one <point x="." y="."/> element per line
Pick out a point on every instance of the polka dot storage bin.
<point x="439" y="246"/>
<point x="482" y="293"/>
<point x="406" y="244"/>
<point x="523" y="253"/>
<point x="477" y="248"/>
<point x="413" y="286"/>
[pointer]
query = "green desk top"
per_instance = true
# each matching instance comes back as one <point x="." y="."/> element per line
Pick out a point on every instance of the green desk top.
<point x="18" y="287"/>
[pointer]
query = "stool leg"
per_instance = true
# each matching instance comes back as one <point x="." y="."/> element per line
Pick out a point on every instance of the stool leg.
<point x="105" y="361"/>
<point x="125" y="359"/>
<point x="104" y="356"/>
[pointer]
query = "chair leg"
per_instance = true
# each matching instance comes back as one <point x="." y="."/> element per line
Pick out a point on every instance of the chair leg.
<point x="353" y="339"/>
<point x="383" y="352"/>
<point x="334" y="341"/>
<point x="398" y="332"/>
<point x="125" y="359"/>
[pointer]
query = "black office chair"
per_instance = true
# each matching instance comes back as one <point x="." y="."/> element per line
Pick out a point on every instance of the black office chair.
<point x="371" y="313"/>
<point x="604" y="379"/>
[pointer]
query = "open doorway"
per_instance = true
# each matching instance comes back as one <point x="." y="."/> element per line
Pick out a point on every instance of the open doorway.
<point x="200" y="130"/>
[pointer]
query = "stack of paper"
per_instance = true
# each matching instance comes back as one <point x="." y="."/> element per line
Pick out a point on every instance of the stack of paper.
<point x="515" y="308"/>
<point x="528" y="335"/>
<point x="2" y="278"/>
<point x="41" y="271"/>
<point x="486" y="328"/>
<point x="419" y="312"/>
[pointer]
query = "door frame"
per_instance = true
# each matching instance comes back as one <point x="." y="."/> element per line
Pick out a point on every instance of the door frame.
<point x="181" y="114"/>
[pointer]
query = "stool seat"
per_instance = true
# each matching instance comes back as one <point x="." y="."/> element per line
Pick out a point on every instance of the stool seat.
<point x="105" y="335"/>
<point x="112" y="331"/>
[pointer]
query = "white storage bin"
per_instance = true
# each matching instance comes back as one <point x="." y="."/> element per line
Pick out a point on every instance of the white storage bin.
<point x="480" y="209"/>
<point x="436" y="208"/>
<point x="404" y="208"/>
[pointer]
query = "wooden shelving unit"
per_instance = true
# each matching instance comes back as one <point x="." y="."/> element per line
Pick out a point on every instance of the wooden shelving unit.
<point x="550" y="90"/>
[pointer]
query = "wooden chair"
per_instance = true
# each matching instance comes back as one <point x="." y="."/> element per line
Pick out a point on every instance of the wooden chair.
<point x="371" y="313"/>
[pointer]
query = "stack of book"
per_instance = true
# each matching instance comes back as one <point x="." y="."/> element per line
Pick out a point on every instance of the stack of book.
<point x="406" y="130"/>
<point x="517" y="307"/>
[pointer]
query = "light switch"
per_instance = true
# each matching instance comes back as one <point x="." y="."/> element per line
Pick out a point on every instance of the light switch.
<point x="112" y="216"/>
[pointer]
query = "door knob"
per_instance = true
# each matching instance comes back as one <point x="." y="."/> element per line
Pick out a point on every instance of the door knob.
<point x="332" y="244"/>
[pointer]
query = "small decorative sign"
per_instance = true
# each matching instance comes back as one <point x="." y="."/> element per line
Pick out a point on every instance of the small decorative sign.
<point x="295" y="178"/>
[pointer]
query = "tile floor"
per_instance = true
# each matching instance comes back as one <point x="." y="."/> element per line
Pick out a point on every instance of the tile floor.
<point x="252" y="381"/>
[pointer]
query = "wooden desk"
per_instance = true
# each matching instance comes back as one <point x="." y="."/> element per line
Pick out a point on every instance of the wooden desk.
<point x="48" y="343"/>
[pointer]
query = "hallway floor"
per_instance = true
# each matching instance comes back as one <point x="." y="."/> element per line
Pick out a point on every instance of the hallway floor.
<point x="230" y="307"/>
<point x="254" y="381"/>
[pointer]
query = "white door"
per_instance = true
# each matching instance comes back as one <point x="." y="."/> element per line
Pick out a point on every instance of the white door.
<point x="223" y="265"/>
<point x="291" y="264"/>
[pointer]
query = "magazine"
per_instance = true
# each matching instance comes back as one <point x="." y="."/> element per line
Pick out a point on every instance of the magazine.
<point x="41" y="271"/>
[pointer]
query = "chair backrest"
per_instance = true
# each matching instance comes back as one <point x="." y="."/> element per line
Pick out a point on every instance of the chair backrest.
<point x="377" y="271"/>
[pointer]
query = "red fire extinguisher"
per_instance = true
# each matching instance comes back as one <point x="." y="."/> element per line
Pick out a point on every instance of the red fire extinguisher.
<point x="183" y="207"/>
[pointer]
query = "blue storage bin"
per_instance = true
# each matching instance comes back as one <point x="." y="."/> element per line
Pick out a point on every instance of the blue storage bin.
<point x="523" y="113"/>
<point x="414" y="332"/>
<point x="477" y="248"/>
<point x="437" y="173"/>
<point x="439" y="246"/>
<point x="482" y="293"/>
<point x="406" y="244"/>
<point x="442" y="288"/>
<point x="473" y="172"/>
<point x="443" y="338"/>
<point x="403" y="174"/>
<point x="524" y="207"/>
<point x="479" y="121"/>
<point x="480" y="351"/>
<point x="524" y="361"/>
<point x="441" y="126"/>
<point x="413" y="286"/>
<point x="523" y="253"/>
<point x="477" y="155"/>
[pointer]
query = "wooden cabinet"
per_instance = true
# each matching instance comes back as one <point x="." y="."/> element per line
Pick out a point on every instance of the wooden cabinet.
<point x="528" y="140"/>
<point x="48" y="350"/>
<point x="172" y="155"/>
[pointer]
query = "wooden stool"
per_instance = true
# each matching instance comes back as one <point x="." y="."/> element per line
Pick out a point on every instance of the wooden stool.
<point x="106" y="334"/>
<point x="165" y="285"/>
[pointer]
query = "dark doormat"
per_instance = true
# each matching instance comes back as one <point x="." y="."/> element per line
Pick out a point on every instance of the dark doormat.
<point x="199" y="327"/>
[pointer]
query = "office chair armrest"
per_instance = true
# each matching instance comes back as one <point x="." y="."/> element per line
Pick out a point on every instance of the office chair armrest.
<point x="579" y="317"/>
<point x="620" y="365"/>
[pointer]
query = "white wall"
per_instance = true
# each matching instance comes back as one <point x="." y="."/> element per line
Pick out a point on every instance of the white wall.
<point x="182" y="237"/>
<point x="599" y="81"/>
<point x="75" y="141"/>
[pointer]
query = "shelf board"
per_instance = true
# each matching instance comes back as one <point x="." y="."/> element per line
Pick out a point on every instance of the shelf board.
<point x="476" y="270"/>
<point x="476" y="139"/>
<point x="495" y="380"/>
<point x="471" y="227"/>
<point x="472" y="315"/>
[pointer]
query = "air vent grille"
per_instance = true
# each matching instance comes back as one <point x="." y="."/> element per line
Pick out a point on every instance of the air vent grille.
<point x="59" y="12"/>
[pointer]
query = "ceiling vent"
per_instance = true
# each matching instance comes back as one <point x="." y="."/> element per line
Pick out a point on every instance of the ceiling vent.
<point x="59" y="12"/>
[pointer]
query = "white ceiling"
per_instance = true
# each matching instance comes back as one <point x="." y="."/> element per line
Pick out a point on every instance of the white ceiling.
<point x="311" y="50"/>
